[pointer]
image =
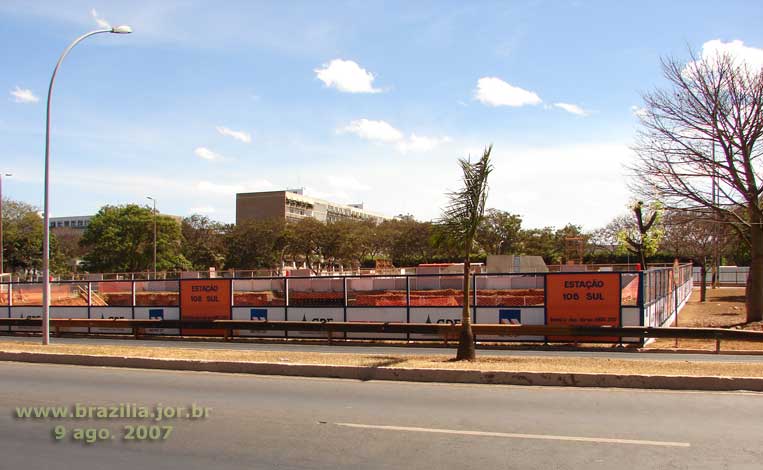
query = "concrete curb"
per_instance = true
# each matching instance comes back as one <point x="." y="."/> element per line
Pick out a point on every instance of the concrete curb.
<point x="670" y="382"/>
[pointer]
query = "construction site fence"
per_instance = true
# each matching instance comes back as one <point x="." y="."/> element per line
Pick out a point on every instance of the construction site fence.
<point x="726" y="276"/>
<point x="666" y="291"/>
<point x="649" y="298"/>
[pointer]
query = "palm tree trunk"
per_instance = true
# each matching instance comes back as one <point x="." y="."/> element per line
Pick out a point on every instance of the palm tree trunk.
<point x="466" y="350"/>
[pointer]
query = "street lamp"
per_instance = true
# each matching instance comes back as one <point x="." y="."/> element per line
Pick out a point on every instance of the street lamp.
<point x="154" y="200"/>
<point x="2" y="248"/>
<point x="46" y="212"/>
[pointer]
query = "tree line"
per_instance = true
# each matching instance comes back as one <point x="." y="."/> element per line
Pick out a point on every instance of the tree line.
<point x="120" y="239"/>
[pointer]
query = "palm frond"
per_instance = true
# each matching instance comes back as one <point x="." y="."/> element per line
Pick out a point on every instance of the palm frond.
<point x="466" y="207"/>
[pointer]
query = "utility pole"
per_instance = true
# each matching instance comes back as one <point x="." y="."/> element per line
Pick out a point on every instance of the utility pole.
<point x="124" y="29"/>
<point x="2" y="247"/>
<point x="154" y="201"/>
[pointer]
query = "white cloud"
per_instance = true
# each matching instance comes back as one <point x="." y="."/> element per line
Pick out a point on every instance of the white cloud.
<point x="208" y="187"/>
<point x="380" y="131"/>
<point x="338" y="195"/>
<point x="346" y="76"/>
<point x="202" y="210"/>
<point x="417" y="143"/>
<point x="588" y="180"/>
<point x="206" y="154"/>
<point x="383" y="132"/>
<point x="99" y="21"/>
<point x="493" y="91"/>
<point x="572" y="108"/>
<point x="229" y="189"/>
<point x="24" y="95"/>
<point x="751" y="56"/>
<point x="346" y="182"/>
<point x="238" y="135"/>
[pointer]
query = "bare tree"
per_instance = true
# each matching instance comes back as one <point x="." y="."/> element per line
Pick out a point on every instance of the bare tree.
<point x="699" y="150"/>
<point x="691" y="236"/>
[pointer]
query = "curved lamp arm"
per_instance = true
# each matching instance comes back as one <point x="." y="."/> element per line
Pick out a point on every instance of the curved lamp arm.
<point x="46" y="206"/>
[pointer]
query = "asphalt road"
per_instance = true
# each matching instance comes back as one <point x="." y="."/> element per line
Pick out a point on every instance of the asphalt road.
<point x="615" y="353"/>
<point x="258" y="422"/>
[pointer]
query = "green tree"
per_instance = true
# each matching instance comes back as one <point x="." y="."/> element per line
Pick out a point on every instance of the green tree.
<point x="406" y="241"/>
<point x="642" y="238"/>
<point x="348" y="242"/>
<point x="461" y="219"/>
<point x="203" y="242"/>
<point x="306" y="239"/>
<point x="542" y="242"/>
<point x="605" y="241"/>
<point x="120" y="239"/>
<point x="256" y="244"/>
<point x="22" y="240"/>
<point x="69" y="246"/>
<point x="499" y="233"/>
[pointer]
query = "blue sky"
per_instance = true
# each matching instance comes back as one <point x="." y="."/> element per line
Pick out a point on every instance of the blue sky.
<point x="355" y="101"/>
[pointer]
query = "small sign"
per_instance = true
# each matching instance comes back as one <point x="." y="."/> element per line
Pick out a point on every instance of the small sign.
<point x="509" y="316"/>
<point x="583" y="299"/>
<point x="205" y="299"/>
<point x="156" y="314"/>
<point x="258" y="314"/>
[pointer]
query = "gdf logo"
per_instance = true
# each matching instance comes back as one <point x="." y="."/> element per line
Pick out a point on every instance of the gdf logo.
<point x="318" y="319"/>
<point x="444" y="320"/>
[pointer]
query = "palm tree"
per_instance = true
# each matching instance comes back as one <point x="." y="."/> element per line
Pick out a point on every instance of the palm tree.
<point x="459" y="222"/>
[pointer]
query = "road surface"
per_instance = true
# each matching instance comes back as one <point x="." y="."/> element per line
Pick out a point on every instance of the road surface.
<point x="258" y="422"/>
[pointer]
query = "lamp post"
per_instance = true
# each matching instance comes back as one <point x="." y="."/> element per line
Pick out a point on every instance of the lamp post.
<point x="154" y="201"/>
<point x="2" y="247"/>
<point x="46" y="211"/>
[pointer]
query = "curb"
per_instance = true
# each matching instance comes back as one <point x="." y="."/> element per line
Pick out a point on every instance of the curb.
<point x="558" y="379"/>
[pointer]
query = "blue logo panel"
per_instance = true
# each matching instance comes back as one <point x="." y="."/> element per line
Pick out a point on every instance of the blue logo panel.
<point x="258" y="314"/>
<point x="156" y="314"/>
<point x="509" y="316"/>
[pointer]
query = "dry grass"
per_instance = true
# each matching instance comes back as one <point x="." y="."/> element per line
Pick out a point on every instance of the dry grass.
<point x="511" y="364"/>
<point x="724" y="308"/>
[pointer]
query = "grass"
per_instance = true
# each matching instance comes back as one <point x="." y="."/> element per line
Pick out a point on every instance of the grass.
<point x="444" y="361"/>
<point x="724" y="308"/>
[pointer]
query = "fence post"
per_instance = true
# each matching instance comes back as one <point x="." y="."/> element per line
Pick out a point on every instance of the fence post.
<point x="132" y="302"/>
<point x="474" y="298"/>
<point x="407" y="304"/>
<point x="89" y="301"/>
<point x="641" y="297"/>
<point x="344" y="302"/>
<point x="344" y="296"/>
<point x="10" y="300"/>
<point x="286" y="303"/>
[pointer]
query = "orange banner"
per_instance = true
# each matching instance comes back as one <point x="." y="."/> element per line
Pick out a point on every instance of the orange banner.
<point x="205" y="299"/>
<point x="583" y="299"/>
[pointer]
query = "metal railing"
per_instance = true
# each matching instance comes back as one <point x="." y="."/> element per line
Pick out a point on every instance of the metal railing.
<point x="335" y="330"/>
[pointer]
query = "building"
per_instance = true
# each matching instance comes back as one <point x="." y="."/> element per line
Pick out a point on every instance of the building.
<point x="77" y="221"/>
<point x="82" y="221"/>
<point x="292" y="205"/>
